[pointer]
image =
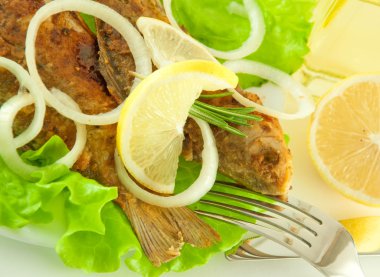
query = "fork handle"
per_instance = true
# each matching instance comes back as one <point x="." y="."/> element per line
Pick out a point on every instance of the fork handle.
<point x="339" y="260"/>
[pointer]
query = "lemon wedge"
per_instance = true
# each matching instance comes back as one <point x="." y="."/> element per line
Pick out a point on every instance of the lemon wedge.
<point x="150" y="128"/>
<point x="345" y="138"/>
<point x="168" y="45"/>
<point x="365" y="232"/>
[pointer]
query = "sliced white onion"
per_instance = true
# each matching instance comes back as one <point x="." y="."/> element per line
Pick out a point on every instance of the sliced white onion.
<point x="39" y="102"/>
<point x="304" y="101"/>
<point x="8" y="149"/>
<point x="108" y="15"/>
<point x="271" y="95"/>
<point x="199" y="188"/>
<point x="8" y="152"/>
<point x="254" y="40"/>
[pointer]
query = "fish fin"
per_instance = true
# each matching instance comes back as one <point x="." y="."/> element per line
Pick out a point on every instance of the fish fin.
<point x="194" y="230"/>
<point x="115" y="61"/>
<point x="163" y="231"/>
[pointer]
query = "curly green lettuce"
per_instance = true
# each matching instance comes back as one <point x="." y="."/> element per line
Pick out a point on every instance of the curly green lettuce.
<point x="97" y="234"/>
<point x="287" y="22"/>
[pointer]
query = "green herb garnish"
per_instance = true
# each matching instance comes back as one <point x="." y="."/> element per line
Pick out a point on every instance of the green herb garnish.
<point x="90" y="22"/>
<point x="222" y="116"/>
<point x="286" y="139"/>
<point x="219" y="116"/>
<point x="216" y="95"/>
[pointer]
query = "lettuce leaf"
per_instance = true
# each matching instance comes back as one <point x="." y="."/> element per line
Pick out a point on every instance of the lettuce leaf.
<point x="287" y="22"/>
<point x="97" y="233"/>
<point x="22" y="203"/>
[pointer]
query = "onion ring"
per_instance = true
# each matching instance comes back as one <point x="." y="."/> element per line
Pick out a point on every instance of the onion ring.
<point x="249" y="46"/>
<point x="111" y="17"/>
<point x="305" y="103"/>
<point x="8" y="112"/>
<point x="9" y="153"/>
<point x="199" y="188"/>
<point x="39" y="102"/>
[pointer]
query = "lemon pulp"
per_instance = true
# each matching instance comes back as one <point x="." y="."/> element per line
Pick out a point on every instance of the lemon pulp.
<point x="344" y="138"/>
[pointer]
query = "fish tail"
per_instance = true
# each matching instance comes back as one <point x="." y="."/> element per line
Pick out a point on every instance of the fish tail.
<point x="163" y="231"/>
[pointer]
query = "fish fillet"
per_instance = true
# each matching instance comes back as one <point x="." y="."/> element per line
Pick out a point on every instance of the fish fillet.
<point x="67" y="56"/>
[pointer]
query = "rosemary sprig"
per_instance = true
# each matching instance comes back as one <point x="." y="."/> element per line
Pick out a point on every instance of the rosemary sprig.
<point x="219" y="116"/>
<point x="216" y="95"/>
<point x="222" y="116"/>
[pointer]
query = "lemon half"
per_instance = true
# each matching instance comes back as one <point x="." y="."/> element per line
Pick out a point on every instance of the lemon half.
<point x="345" y="138"/>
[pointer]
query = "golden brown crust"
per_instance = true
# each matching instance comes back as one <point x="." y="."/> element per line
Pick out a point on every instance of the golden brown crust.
<point x="116" y="60"/>
<point x="67" y="60"/>
<point x="261" y="161"/>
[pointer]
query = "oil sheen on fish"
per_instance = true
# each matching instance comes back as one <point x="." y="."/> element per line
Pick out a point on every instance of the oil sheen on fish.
<point x="67" y="59"/>
<point x="261" y="161"/>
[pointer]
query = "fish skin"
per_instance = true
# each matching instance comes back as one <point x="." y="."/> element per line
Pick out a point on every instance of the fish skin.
<point x="67" y="59"/>
<point x="115" y="59"/>
<point x="261" y="161"/>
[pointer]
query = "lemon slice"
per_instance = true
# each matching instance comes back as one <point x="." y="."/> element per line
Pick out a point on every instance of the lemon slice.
<point x="168" y="45"/>
<point x="365" y="232"/>
<point x="150" y="128"/>
<point x="345" y="138"/>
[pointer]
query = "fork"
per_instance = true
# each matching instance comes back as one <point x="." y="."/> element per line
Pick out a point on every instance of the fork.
<point x="300" y="227"/>
<point x="247" y="252"/>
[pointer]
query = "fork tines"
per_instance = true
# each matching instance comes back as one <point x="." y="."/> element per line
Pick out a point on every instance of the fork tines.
<point x="300" y="227"/>
<point x="265" y="212"/>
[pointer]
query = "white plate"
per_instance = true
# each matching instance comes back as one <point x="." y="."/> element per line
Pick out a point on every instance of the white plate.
<point x="25" y="260"/>
<point x="22" y="260"/>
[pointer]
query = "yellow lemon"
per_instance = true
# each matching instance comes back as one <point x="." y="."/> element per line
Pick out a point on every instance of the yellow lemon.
<point x="168" y="45"/>
<point x="150" y="128"/>
<point x="365" y="232"/>
<point x="345" y="138"/>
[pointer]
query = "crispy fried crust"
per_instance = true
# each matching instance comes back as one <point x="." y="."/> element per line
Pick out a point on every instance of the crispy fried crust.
<point x="67" y="59"/>
<point x="261" y="161"/>
<point x="116" y="60"/>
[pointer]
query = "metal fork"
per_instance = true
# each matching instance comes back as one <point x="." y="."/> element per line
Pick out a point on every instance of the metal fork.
<point x="248" y="252"/>
<point x="300" y="227"/>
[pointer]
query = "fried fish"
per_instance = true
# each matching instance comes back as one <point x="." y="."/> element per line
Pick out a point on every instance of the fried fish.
<point x="68" y="59"/>
<point x="261" y="161"/>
